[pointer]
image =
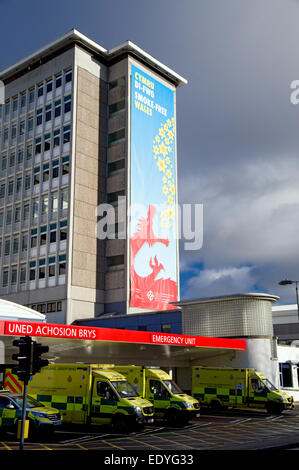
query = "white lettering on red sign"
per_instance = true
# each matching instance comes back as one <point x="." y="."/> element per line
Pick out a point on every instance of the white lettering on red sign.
<point x="52" y="331"/>
<point x="169" y="339"/>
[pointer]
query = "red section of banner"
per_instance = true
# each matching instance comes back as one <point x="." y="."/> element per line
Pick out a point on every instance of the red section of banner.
<point x="16" y="328"/>
<point x="2" y="325"/>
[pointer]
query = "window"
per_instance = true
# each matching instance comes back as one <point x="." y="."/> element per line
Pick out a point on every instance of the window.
<point x="116" y="107"/>
<point x="65" y="165"/>
<point x="142" y="328"/>
<point x="15" y="104"/>
<point x="48" y="112"/>
<point x="40" y="90"/>
<point x="4" y="162"/>
<point x="113" y="197"/>
<point x="116" y="136"/>
<point x="39" y="117"/>
<point x="53" y="228"/>
<point x="26" y="212"/>
<point x="7" y="247"/>
<point x="57" y="138"/>
<point x="24" y="244"/>
<point x="38" y="145"/>
<point x="8" y="216"/>
<point x="55" y="168"/>
<point x="64" y="201"/>
<point x="285" y="374"/>
<point x="68" y="76"/>
<point x="17" y="216"/>
<point x="57" y="108"/>
<point x="166" y="328"/>
<point x="52" y="271"/>
<point x="14" y="274"/>
<point x="35" y="209"/>
<point x="47" y="142"/>
<point x="119" y="82"/>
<point x="22" y="128"/>
<point x="1" y="219"/>
<point x="20" y="155"/>
<point x="30" y="123"/>
<point x="5" y="278"/>
<point x="5" y="135"/>
<point x="7" y="108"/>
<point x="43" y="235"/>
<point x="62" y="265"/>
<point x="115" y="166"/>
<point x="49" y="85"/>
<point x="33" y="239"/>
<point x="117" y="260"/>
<point x="29" y="151"/>
<point x="13" y="131"/>
<point x="27" y="182"/>
<point x="66" y="134"/>
<point x="15" y="245"/>
<point x="23" y="274"/>
<point x="67" y="103"/>
<point x="19" y="184"/>
<point x="10" y="187"/>
<point x="45" y="204"/>
<point x="54" y="202"/>
<point x="36" y="177"/>
<point x="2" y="190"/>
<point x="12" y="159"/>
<point x="46" y="172"/>
<point x="31" y="95"/>
<point x="23" y="100"/>
<point x="63" y="230"/>
<point x="58" y="80"/>
<point x="32" y="269"/>
<point x="42" y="269"/>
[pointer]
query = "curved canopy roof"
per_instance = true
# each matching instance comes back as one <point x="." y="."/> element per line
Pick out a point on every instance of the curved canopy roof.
<point x="12" y="311"/>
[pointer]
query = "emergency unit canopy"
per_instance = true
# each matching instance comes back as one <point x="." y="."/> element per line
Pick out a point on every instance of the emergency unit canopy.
<point x="70" y="343"/>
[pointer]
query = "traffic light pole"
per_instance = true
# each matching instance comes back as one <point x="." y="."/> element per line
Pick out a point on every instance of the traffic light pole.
<point x="23" y="415"/>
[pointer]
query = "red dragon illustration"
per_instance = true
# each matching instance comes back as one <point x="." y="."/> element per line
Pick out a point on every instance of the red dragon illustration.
<point x="149" y="292"/>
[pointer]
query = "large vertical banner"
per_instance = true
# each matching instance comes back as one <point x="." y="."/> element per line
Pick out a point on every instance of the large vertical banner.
<point x="153" y="237"/>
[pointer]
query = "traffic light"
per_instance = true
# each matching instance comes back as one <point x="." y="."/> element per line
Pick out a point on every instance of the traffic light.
<point x="37" y="361"/>
<point x="23" y="369"/>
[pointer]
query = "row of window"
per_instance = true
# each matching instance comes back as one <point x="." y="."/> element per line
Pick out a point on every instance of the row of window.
<point x="45" y="267"/>
<point x="48" y="307"/>
<point x="18" y="102"/>
<point x="23" y="242"/>
<point x="42" y="143"/>
<point x="40" y="174"/>
<point x="39" y="207"/>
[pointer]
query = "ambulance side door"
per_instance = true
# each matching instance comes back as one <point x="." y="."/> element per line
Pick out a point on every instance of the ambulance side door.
<point x="104" y="402"/>
<point x="159" y="396"/>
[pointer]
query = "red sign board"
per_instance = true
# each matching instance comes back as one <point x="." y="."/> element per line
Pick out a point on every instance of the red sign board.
<point x="18" y="328"/>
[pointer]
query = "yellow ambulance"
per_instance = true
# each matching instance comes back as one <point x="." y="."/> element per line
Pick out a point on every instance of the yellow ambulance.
<point x="91" y="394"/>
<point x="238" y="388"/>
<point x="156" y="385"/>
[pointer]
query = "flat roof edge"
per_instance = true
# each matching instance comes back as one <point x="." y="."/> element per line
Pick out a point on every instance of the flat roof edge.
<point x="75" y="35"/>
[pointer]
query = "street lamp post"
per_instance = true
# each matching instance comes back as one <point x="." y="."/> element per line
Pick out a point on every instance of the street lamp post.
<point x="286" y="282"/>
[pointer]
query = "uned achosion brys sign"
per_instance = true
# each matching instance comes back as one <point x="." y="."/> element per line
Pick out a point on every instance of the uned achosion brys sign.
<point x="153" y="229"/>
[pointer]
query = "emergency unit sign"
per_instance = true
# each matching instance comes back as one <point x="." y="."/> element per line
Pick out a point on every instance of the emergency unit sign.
<point x="153" y="224"/>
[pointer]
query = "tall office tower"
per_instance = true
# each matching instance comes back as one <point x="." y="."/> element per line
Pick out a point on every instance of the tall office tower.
<point x="86" y="134"/>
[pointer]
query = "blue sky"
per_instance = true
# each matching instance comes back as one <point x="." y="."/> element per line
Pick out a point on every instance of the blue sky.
<point x="238" y="133"/>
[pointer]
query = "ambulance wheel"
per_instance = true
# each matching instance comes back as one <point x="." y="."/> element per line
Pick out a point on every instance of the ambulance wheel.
<point x="173" y="418"/>
<point x="119" y="424"/>
<point x="274" y="408"/>
<point x="215" y="405"/>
